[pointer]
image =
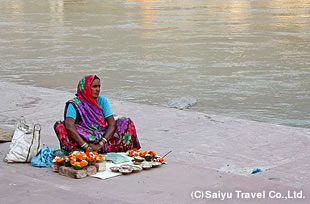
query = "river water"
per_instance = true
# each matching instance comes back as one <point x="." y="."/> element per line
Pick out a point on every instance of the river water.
<point x="243" y="58"/>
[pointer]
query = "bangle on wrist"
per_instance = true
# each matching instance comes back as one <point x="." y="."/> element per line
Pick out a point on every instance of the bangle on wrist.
<point x="105" y="140"/>
<point x="84" y="145"/>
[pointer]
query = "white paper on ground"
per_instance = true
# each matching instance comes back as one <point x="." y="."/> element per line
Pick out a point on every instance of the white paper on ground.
<point x="108" y="173"/>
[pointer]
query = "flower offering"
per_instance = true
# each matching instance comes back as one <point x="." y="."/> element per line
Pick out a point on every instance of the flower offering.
<point x="147" y="155"/>
<point x="132" y="152"/>
<point x="79" y="160"/>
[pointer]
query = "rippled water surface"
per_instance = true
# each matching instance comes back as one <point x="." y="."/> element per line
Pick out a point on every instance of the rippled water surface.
<point x="243" y="58"/>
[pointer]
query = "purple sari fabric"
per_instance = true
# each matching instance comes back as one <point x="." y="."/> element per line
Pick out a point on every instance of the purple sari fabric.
<point x="91" y="124"/>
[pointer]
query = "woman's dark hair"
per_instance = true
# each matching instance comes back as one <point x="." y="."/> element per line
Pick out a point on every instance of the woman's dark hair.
<point x="96" y="77"/>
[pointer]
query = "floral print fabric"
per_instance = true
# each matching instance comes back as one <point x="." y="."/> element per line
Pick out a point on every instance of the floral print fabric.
<point x="121" y="141"/>
<point x="124" y="138"/>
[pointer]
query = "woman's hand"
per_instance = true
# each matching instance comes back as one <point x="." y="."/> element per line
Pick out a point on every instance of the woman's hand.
<point x="95" y="147"/>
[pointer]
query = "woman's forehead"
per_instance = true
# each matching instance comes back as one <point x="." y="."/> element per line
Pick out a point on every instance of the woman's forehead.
<point x="96" y="82"/>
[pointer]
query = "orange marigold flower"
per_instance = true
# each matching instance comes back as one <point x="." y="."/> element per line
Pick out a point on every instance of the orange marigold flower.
<point x="142" y="154"/>
<point x="83" y="163"/>
<point x="56" y="158"/>
<point x="59" y="159"/>
<point x="100" y="158"/>
<point x="81" y="157"/>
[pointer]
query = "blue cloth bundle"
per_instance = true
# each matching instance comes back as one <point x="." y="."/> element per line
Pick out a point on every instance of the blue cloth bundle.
<point x="44" y="158"/>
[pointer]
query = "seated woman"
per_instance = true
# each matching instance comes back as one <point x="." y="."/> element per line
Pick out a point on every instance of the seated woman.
<point x="89" y="123"/>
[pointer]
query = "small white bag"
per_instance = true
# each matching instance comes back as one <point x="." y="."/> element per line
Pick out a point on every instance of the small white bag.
<point x="25" y="143"/>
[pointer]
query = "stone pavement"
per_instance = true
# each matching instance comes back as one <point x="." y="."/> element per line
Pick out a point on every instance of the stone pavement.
<point x="210" y="154"/>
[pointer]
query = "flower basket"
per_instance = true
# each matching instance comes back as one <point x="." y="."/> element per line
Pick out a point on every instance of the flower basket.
<point x="100" y="158"/>
<point x="158" y="159"/>
<point x="79" y="165"/>
<point x="65" y="163"/>
<point x="78" y="160"/>
<point x="148" y="158"/>
<point x="132" y="152"/>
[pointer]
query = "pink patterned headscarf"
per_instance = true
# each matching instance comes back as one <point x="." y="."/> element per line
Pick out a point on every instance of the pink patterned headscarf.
<point x="84" y="92"/>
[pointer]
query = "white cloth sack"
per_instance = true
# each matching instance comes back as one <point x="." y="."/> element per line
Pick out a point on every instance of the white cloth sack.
<point x="25" y="143"/>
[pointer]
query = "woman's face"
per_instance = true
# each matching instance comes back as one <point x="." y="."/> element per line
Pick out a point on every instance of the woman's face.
<point x="95" y="88"/>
